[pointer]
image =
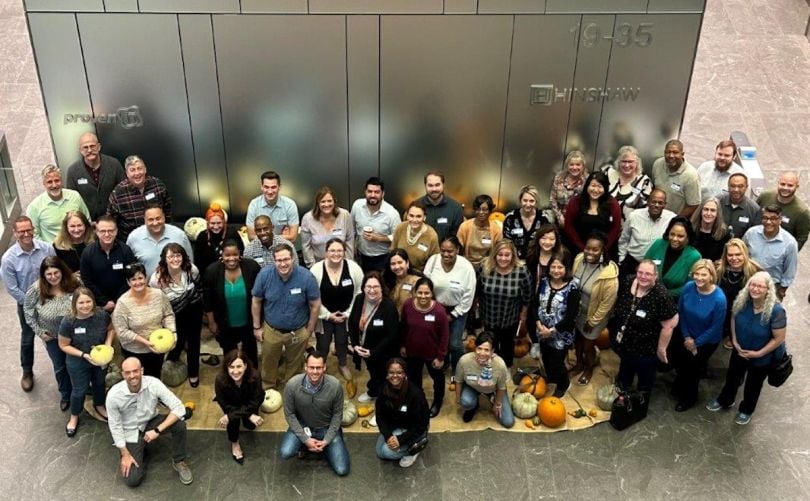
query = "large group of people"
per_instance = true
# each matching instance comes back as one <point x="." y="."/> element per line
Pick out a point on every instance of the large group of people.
<point x="672" y="263"/>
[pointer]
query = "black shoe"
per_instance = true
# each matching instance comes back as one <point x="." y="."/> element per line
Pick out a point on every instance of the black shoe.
<point x="194" y="384"/>
<point x="240" y="460"/>
<point x="71" y="432"/>
<point x="469" y="414"/>
<point x="435" y="409"/>
<point x="681" y="407"/>
<point x="64" y="404"/>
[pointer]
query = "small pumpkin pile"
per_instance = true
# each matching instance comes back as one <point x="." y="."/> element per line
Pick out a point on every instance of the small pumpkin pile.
<point x="534" y="384"/>
<point x="531" y="403"/>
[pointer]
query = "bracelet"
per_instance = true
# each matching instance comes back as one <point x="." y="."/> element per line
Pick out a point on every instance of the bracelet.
<point x="256" y="328"/>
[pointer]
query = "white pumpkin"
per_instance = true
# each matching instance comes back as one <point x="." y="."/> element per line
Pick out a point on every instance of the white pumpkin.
<point x="101" y="354"/>
<point x="194" y="226"/>
<point x="272" y="401"/>
<point x="524" y="405"/>
<point x="605" y="397"/>
<point x="349" y="413"/>
<point x="173" y="373"/>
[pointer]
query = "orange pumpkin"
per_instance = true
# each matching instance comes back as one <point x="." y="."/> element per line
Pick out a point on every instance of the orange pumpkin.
<point x="469" y="344"/>
<point x="535" y="385"/>
<point x="539" y="388"/>
<point x="526" y="384"/>
<point x="603" y="341"/>
<point x="551" y="411"/>
<point x="522" y="346"/>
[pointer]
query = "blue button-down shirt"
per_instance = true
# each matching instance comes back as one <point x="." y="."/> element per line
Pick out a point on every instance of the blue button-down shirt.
<point x="20" y="269"/>
<point x="778" y="255"/>
<point x="148" y="250"/>
<point x="283" y="213"/>
<point x="286" y="303"/>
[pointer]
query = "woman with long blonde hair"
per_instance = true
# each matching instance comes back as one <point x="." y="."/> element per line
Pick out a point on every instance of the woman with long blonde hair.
<point x="735" y="269"/>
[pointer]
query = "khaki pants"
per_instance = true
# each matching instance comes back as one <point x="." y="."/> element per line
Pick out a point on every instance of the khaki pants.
<point x="292" y="344"/>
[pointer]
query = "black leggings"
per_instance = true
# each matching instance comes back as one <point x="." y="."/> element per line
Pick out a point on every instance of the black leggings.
<point x="152" y="363"/>
<point x="505" y="343"/>
<point x="189" y="325"/>
<point x="554" y="362"/>
<point x="233" y="427"/>
<point x="230" y="337"/>
<point x="437" y="375"/>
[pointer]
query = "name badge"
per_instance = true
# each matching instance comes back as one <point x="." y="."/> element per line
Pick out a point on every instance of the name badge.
<point x="337" y="231"/>
<point x="295" y="290"/>
<point x="785" y="219"/>
<point x="635" y="190"/>
<point x="407" y="287"/>
<point x="473" y="378"/>
<point x="743" y="219"/>
<point x="118" y="266"/>
<point x="675" y="186"/>
<point x="79" y="330"/>
<point x="455" y="285"/>
<point x="430" y="318"/>
<point x="486" y="241"/>
<point x="282" y="221"/>
<point x="518" y="232"/>
<point x="82" y="180"/>
<point x="259" y="260"/>
<point x="441" y="220"/>
<point x="641" y="314"/>
<point x="657" y="262"/>
<point x="404" y="408"/>
<point x="346" y="282"/>
<point x="422" y="247"/>
<point x="149" y="196"/>
<point x="377" y="322"/>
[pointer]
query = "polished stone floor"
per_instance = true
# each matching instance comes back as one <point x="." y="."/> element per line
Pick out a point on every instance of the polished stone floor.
<point x="752" y="73"/>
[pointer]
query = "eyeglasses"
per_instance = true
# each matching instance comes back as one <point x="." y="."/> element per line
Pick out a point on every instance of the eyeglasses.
<point x="283" y="259"/>
<point x="105" y="232"/>
<point x="771" y="218"/>
<point x="24" y="232"/>
<point x="90" y="147"/>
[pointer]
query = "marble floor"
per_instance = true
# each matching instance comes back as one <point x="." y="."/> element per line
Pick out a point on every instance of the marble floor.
<point x="751" y="74"/>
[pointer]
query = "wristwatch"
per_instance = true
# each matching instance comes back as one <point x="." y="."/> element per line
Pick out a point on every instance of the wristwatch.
<point x="156" y="430"/>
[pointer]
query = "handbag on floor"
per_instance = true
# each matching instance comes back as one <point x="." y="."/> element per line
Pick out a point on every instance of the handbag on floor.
<point x="629" y="408"/>
<point x="780" y="371"/>
<point x="418" y="446"/>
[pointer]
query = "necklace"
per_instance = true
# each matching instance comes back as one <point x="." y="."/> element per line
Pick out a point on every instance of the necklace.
<point x="731" y="275"/>
<point x="411" y="238"/>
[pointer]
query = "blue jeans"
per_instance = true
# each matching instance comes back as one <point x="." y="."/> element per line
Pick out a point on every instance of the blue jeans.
<point x="456" y="342"/>
<point x="336" y="452"/>
<point x="83" y="374"/>
<point x="59" y="369"/>
<point x="385" y="452"/>
<point x="26" y="343"/>
<point x="469" y="401"/>
<point x="632" y="365"/>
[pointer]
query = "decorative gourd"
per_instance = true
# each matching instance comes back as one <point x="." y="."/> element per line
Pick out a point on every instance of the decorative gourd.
<point x="364" y="410"/>
<point x="605" y="396"/>
<point x="173" y="373"/>
<point x="162" y="340"/>
<point x="469" y="344"/>
<point x="551" y="411"/>
<point x="112" y="378"/>
<point x="194" y="226"/>
<point x="522" y="346"/>
<point x="603" y="341"/>
<point x="351" y="389"/>
<point x="272" y="401"/>
<point x="533" y="384"/>
<point x="526" y="384"/>
<point x="539" y="388"/>
<point x="524" y="405"/>
<point x="349" y="413"/>
<point x="101" y="354"/>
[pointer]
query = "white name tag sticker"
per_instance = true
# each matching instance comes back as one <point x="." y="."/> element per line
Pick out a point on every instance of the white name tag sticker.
<point x="407" y="287"/>
<point x="441" y="220"/>
<point x="675" y="186"/>
<point x="259" y="260"/>
<point x="657" y="262"/>
<point x="377" y="322"/>
<point x="430" y="318"/>
<point x="486" y="241"/>
<point x="635" y="190"/>
<point x="455" y="285"/>
<point x="295" y="290"/>
<point x="422" y="247"/>
<point x="82" y="180"/>
<point x="149" y="196"/>
<point x="518" y="232"/>
<point x="79" y="330"/>
<point x="346" y="282"/>
<point x="473" y="378"/>
<point x="641" y="314"/>
<point x="785" y="219"/>
<point x="337" y="231"/>
<point x="404" y="408"/>
<point x="743" y="219"/>
<point x="118" y="266"/>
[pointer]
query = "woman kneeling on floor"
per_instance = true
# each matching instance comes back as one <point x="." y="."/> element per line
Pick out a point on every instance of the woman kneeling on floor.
<point x="483" y="372"/>
<point x="402" y="415"/>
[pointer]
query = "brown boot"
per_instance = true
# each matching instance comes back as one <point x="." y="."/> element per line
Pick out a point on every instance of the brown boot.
<point x="27" y="382"/>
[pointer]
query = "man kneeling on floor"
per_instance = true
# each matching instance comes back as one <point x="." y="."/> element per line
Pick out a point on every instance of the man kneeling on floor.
<point x="313" y="407"/>
<point x="134" y="422"/>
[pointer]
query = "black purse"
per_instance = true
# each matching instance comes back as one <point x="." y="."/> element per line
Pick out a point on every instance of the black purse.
<point x="780" y="371"/>
<point x="629" y="408"/>
<point x="418" y="446"/>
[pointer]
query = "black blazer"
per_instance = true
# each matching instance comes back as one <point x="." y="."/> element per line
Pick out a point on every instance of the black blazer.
<point x="381" y="340"/>
<point x="205" y="254"/>
<point x="214" y="288"/>
<point x="238" y="401"/>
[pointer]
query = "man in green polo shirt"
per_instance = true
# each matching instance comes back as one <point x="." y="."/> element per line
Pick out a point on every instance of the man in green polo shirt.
<point x="48" y="209"/>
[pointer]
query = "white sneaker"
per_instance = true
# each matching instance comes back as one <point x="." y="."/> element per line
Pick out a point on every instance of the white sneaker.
<point x="373" y="421"/>
<point x="365" y="398"/>
<point x="535" y="351"/>
<point x="408" y="461"/>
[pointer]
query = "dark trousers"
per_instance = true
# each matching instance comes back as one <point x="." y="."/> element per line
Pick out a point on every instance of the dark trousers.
<point x="554" y="362"/>
<point x="189" y="325"/>
<point x="376" y="373"/>
<point x="372" y="263"/>
<point x="505" y="343"/>
<point x="26" y="343"/>
<point x="437" y="375"/>
<point x="83" y="374"/>
<point x="152" y="362"/>
<point x="631" y="366"/>
<point x="739" y="369"/>
<point x="230" y="337"/>
<point x="338" y="332"/>
<point x="233" y="427"/>
<point x="628" y="266"/>
<point x="137" y="449"/>
<point x="688" y="369"/>
<point x="60" y="371"/>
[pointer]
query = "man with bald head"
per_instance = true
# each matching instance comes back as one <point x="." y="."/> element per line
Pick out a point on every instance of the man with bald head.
<point x="94" y="175"/>
<point x="795" y="214"/>
<point x="134" y="422"/>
